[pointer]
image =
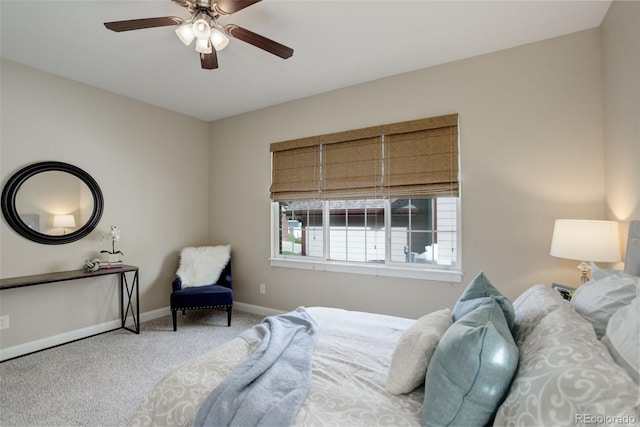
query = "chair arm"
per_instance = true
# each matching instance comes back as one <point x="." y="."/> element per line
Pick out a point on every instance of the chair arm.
<point x="176" y="284"/>
<point x="225" y="277"/>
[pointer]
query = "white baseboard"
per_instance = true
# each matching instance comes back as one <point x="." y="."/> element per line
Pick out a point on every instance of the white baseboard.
<point x="242" y="306"/>
<point x="52" y="341"/>
<point x="66" y="337"/>
<point x="155" y="314"/>
<point x="256" y="309"/>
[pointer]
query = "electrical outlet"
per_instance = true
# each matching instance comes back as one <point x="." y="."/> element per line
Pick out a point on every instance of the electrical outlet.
<point x="4" y="322"/>
<point x="263" y="288"/>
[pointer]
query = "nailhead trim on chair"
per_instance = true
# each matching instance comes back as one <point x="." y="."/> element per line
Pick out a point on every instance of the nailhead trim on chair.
<point x="197" y="308"/>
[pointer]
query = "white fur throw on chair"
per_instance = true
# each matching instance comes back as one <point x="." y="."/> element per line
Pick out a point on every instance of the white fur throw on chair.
<point x="201" y="266"/>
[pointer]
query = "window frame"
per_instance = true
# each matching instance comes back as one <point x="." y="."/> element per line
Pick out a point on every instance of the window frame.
<point x="431" y="272"/>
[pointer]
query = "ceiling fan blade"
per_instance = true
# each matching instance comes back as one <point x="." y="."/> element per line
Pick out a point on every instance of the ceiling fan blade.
<point x="182" y="3"/>
<point x="209" y="61"/>
<point x="259" y="41"/>
<point x="139" y="24"/>
<point x="227" y="7"/>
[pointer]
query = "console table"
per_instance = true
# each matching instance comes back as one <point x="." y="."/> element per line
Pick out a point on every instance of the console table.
<point x="126" y="287"/>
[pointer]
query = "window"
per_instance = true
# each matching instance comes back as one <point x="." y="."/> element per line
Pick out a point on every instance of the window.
<point x="421" y="231"/>
<point x="380" y="201"/>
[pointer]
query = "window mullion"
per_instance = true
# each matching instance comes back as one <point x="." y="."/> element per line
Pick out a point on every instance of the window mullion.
<point x="387" y="231"/>
<point x="326" y="227"/>
<point x="410" y="231"/>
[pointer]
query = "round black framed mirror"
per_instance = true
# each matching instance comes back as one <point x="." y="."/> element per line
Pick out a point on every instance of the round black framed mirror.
<point x="52" y="202"/>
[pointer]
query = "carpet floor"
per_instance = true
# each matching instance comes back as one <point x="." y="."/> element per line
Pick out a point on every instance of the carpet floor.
<point x="100" y="381"/>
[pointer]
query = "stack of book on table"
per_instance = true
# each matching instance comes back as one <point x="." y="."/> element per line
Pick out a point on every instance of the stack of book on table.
<point x="115" y="264"/>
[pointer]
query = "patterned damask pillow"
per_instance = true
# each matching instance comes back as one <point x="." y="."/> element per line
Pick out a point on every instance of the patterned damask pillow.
<point x="531" y="306"/>
<point x="567" y="377"/>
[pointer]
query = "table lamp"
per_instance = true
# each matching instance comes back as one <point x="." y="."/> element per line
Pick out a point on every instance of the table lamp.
<point x="586" y="240"/>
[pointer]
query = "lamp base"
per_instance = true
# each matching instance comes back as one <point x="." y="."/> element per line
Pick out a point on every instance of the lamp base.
<point x="585" y="269"/>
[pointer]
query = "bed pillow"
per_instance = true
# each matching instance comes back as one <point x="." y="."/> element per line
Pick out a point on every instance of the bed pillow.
<point x="413" y="352"/>
<point x="201" y="266"/>
<point x="481" y="287"/>
<point x="623" y="338"/>
<point x="566" y="375"/>
<point x="597" y="300"/>
<point x="471" y="369"/>
<point x="531" y="306"/>
<point x="598" y="273"/>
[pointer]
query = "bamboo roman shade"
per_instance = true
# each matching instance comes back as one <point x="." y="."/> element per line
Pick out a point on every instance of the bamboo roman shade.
<point x="296" y="173"/>
<point x="418" y="158"/>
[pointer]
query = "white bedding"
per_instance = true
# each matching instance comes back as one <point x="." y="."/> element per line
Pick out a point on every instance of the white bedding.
<point x="565" y="375"/>
<point x="349" y="368"/>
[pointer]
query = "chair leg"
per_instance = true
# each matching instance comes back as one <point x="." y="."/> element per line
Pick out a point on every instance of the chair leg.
<point x="229" y="315"/>
<point x="174" y="315"/>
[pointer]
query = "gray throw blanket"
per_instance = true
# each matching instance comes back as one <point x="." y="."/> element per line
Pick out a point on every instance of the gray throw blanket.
<point x="271" y="384"/>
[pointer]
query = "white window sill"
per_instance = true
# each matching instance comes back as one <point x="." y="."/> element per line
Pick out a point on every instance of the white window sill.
<point x="451" y="276"/>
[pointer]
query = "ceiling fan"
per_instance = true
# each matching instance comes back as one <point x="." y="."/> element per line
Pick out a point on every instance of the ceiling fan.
<point x="204" y="28"/>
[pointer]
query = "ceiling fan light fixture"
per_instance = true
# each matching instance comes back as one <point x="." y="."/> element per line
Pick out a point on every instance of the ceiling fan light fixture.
<point x="201" y="29"/>
<point x="203" y="26"/>
<point x="203" y="46"/>
<point x="218" y="39"/>
<point x="185" y="33"/>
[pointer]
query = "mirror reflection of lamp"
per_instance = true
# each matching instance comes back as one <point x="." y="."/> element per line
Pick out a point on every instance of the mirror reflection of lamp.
<point x="64" y="222"/>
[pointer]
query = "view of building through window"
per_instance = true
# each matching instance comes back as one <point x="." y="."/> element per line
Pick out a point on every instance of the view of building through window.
<point x="415" y="231"/>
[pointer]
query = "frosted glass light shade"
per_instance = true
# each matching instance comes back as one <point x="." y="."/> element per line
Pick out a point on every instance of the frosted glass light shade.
<point x="64" y="221"/>
<point x="586" y="240"/>
<point x="218" y="39"/>
<point x="201" y="29"/>
<point x="203" y="46"/>
<point x="185" y="34"/>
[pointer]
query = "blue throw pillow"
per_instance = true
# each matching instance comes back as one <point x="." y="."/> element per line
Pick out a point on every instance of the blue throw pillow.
<point x="472" y="297"/>
<point x="471" y="370"/>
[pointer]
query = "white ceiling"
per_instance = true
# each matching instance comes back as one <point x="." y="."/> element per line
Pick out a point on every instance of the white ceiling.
<point x="336" y="44"/>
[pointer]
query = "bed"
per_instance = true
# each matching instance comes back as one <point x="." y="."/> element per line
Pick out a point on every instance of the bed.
<point x="539" y="360"/>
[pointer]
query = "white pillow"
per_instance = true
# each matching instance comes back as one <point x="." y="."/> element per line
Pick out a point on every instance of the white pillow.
<point x="201" y="266"/>
<point x="623" y="338"/>
<point x="414" y="350"/>
<point x="597" y="300"/>
<point x="598" y="273"/>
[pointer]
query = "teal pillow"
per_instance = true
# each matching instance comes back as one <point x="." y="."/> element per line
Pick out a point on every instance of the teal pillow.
<point x="471" y="370"/>
<point x="473" y="296"/>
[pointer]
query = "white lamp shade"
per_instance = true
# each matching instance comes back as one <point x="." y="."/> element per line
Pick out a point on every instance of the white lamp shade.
<point x="64" y="221"/>
<point x="218" y="39"/>
<point x="586" y="240"/>
<point x="185" y="34"/>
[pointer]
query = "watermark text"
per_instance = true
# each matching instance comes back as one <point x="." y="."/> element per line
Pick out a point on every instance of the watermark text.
<point x="606" y="419"/>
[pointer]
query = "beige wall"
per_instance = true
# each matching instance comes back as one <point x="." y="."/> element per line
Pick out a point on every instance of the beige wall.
<point x="152" y="167"/>
<point x="621" y="40"/>
<point x="531" y="152"/>
<point x="531" y="122"/>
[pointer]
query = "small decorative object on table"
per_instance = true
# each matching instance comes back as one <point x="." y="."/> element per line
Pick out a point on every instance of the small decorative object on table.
<point x="91" y="265"/>
<point x="112" y="258"/>
<point x="565" y="291"/>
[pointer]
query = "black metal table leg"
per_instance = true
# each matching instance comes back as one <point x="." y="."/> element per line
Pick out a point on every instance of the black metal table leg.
<point x="128" y="292"/>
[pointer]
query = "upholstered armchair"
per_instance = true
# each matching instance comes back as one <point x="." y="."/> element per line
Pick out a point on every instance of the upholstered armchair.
<point x="203" y="281"/>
